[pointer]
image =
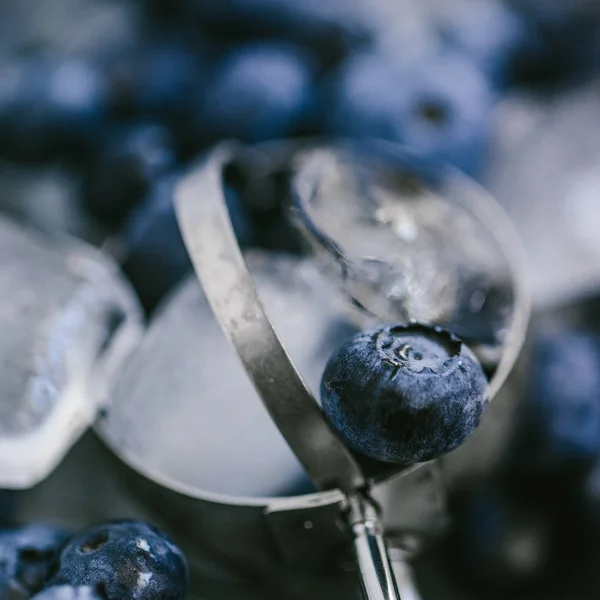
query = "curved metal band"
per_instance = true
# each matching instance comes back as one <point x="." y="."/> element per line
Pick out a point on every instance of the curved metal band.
<point x="211" y="243"/>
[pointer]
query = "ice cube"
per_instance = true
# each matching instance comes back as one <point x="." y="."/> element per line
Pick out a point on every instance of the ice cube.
<point x="68" y="321"/>
<point x="185" y="409"/>
<point x="406" y="239"/>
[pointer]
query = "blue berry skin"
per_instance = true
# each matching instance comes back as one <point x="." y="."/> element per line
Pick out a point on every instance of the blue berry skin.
<point x="12" y="590"/>
<point x="168" y="72"/>
<point x="260" y="91"/>
<point x="27" y="555"/>
<point x="404" y="394"/>
<point x="154" y="79"/>
<point x="50" y="107"/>
<point x="128" y="560"/>
<point x="156" y="257"/>
<point x="68" y="592"/>
<point x="561" y="425"/>
<point x="489" y="33"/>
<point x="441" y="106"/>
<point x="125" y="168"/>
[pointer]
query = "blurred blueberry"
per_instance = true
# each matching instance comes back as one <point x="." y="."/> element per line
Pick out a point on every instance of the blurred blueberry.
<point x="404" y="394"/>
<point x="127" y="559"/>
<point x="168" y="72"/>
<point x="132" y="158"/>
<point x="27" y="555"/>
<point x="260" y="91"/>
<point x="12" y="590"/>
<point x="489" y="32"/>
<point x="68" y="592"/>
<point x="502" y="542"/>
<point x="331" y="27"/>
<point x="563" y="43"/>
<point x="50" y="106"/>
<point x="440" y="105"/>
<point x="156" y="255"/>
<point x="561" y="425"/>
<point x="155" y="78"/>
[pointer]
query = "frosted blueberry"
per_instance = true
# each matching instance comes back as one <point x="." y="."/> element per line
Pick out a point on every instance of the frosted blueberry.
<point x="26" y="556"/>
<point x="404" y="393"/>
<point x="127" y="559"/>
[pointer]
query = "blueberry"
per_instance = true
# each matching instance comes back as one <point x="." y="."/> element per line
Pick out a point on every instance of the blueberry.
<point x="52" y="106"/>
<point x="504" y="542"/>
<point x="124" y="170"/>
<point x="156" y="78"/>
<point x="404" y="394"/>
<point x="11" y="590"/>
<point x="156" y="257"/>
<point x="27" y="554"/>
<point x="127" y="559"/>
<point x="440" y="105"/>
<point x="260" y="91"/>
<point x="561" y="425"/>
<point x="156" y="254"/>
<point x="489" y="32"/>
<point x="68" y="592"/>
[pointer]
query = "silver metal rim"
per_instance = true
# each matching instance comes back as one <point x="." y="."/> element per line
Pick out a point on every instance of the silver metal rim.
<point x="201" y="207"/>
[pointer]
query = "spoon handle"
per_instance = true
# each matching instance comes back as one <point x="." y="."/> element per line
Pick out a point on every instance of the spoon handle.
<point x="377" y="577"/>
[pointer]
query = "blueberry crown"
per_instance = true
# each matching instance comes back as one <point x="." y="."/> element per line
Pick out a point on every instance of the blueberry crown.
<point x="417" y="347"/>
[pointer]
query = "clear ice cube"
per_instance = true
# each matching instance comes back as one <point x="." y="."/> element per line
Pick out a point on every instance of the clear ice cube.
<point x="404" y="239"/>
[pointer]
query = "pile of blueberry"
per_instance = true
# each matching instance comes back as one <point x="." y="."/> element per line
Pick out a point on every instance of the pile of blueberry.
<point x="113" y="561"/>
<point x="130" y="119"/>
